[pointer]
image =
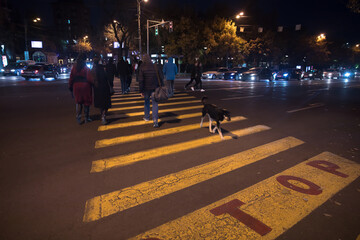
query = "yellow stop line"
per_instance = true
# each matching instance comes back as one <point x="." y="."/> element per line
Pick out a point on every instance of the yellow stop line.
<point x="118" y="161"/>
<point x="139" y="97"/>
<point x="142" y="101"/>
<point x="142" y="122"/>
<point x="267" y="209"/>
<point x="160" y="111"/>
<point x="135" y="137"/>
<point x="160" y="104"/>
<point x="117" y="201"/>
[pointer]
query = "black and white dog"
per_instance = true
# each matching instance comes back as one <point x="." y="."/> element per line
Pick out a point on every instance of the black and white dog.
<point x="215" y="114"/>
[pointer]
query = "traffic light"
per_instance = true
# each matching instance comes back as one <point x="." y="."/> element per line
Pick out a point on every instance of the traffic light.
<point x="171" y="26"/>
<point x="156" y="31"/>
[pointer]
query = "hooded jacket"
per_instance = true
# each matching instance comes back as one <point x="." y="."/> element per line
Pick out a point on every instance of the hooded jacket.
<point x="170" y="69"/>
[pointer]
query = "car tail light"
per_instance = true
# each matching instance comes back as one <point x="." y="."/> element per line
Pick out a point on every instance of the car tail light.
<point x="36" y="71"/>
<point x="22" y="71"/>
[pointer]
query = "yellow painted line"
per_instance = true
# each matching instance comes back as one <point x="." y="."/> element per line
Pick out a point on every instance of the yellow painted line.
<point x="142" y="101"/>
<point x="142" y="122"/>
<point x="269" y="202"/>
<point x="161" y="104"/>
<point x="133" y="94"/>
<point x="139" y="97"/>
<point x="141" y="136"/>
<point x="117" y="201"/>
<point x="109" y="163"/>
<point x="160" y="110"/>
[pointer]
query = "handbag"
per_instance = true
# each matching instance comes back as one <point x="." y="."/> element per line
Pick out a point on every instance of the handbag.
<point x="161" y="92"/>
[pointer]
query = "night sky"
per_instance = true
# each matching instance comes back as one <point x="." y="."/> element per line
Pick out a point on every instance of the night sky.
<point x="317" y="16"/>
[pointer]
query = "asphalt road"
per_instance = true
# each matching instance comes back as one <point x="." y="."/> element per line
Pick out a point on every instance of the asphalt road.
<point x="287" y="169"/>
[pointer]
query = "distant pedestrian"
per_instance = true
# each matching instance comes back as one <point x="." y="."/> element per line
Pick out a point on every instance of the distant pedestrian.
<point x="129" y="77"/>
<point x="102" y="96"/>
<point x="111" y="71"/>
<point x="122" y="69"/>
<point x="137" y="68"/>
<point x="80" y="84"/>
<point x="170" y="70"/>
<point x="148" y="82"/>
<point x="195" y="76"/>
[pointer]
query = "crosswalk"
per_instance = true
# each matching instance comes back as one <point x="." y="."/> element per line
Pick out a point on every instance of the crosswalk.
<point x="262" y="211"/>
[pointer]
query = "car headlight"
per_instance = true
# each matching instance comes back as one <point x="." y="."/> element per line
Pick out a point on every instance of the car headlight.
<point x="12" y="70"/>
<point x="2" y="70"/>
<point x="347" y="74"/>
<point x="310" y="74"/>
<point x="286" y="74"/>
<point x="232" y="74"/>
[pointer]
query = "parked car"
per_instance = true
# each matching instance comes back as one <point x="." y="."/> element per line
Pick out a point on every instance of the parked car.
<point x="65" y="68"/>
<point x="257" y="74"/>
<point x="13" y="69"/>
<point x="331" y="74"/>
<point x="288" y="74"/>
<point x="235" y="73"/>
<point x="41" y="71"/>
<point x="313" y="74"/>
<point x="214" y="74"/>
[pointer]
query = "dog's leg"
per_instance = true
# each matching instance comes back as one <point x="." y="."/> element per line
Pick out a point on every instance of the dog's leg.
<point x="210" y="124"/>
<point x="219" y="130"/>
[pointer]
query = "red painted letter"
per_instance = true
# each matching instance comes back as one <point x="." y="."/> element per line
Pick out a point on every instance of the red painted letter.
<point x="330" y="167"/>
<point x="232" y="209"/>
<point x="313" y="190"/>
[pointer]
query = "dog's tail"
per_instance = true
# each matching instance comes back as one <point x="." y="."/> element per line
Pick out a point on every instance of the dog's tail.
<point x="204" y="100"/>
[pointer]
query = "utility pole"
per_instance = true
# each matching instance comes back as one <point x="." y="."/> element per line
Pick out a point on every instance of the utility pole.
<point x="139" y="26"/>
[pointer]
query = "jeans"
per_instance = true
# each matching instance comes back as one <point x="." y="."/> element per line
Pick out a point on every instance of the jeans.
<point x="123" y="81"/>
<point x="170" y="87"/>
<point x="147" y="96"/>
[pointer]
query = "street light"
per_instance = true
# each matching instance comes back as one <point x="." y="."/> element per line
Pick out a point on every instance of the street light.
<point x="139" y="24"/>
<point x="241" y="14"/>
<point x="320" y="37"/>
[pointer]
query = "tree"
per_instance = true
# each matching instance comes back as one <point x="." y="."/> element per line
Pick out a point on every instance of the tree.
<point x="82" y="45"/>
<point x="354" y="6"/>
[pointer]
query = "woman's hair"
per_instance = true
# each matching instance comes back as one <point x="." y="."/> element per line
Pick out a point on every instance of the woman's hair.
<point x="80" y="61"/>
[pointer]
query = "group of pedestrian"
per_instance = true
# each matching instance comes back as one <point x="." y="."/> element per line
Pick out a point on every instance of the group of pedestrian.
<point x="125" y="71"/>
<point x="83" y="82"/>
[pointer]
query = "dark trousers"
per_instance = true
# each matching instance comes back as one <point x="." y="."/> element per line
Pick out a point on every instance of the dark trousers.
<point x="191" y="80"/>
<point x="123" y="81"/>
<point x="198" y="81"/>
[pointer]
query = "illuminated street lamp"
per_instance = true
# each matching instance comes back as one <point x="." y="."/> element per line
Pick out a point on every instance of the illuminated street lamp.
<point x="241" y="14"/>
<point x="86" y="37"/>
<point x="321" y="37"/>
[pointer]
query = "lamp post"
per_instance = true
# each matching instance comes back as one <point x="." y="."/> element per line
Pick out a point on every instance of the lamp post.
<point x="139" y="23"/>
<point x="26" y="53"/>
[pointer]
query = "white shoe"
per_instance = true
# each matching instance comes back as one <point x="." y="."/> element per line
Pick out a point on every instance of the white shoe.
<point x="192" y="88"/>
<point x="146" y="119"/>
<point x="202" y="90"/>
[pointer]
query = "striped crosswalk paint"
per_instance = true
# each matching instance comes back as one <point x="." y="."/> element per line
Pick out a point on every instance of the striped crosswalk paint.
<point x="139" y="97"/>
<point x="117" y="201"/>
<point x="118" y="161"/>
<point x="160" y="105"/>
<point x="267" y="209"/>
<point x="121" y="102"/>
<point x="142" y="122"/>
<point x="125" y="139"/>
<point x="160" y="111"/>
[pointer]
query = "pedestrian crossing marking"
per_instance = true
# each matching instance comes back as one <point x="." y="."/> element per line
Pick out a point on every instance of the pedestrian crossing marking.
<point x="142" y="122"/>
<point x="135" y="137"/>
<point x="139" y="97"/>
<point x="160" y="104"/>
<point x="117" y="201"/>
<point x="269" y="202"/>
<point x="160" y="110"/>
<point x="142" y="101"/>
<point x="123" y="160"/>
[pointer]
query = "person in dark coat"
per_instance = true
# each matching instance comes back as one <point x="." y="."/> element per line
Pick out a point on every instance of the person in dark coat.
<point x="148" y="82"/>
<point x="102" y="96"/>
<point x="80" y="84"/>
<point x="129" y="77"/>
<point x="123" y="72"/>
<point x="111" y="71"/>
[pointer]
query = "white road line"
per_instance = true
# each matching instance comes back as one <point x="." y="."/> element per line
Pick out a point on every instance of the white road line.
<point x="315" y="105"/>
<point x="233" y="98"/>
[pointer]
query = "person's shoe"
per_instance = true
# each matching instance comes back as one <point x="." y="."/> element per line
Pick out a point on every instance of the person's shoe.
<point x="146" y="119"/>
<point x="78" y="120"/>
<point x="156" y="125"/>
<point x="202" y="90"/>
<point x="103" y="121"/>
<point x="192" y="88"/>
<point x="87" y="120"/>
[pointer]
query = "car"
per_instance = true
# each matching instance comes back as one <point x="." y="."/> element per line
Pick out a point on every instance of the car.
<point x="313" y="74"/>
<point x="13" y="69"/>
<point x="331" y="74"/>
<point x="214" y="74"/>
<point x="349" y="73"/>
<point x="257" y="74"/>
<point x="288" y="74"/>
<point x="235" y="73"/>
<point x="65" y="68"/>
<point x="41" y="71"/>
